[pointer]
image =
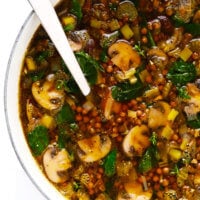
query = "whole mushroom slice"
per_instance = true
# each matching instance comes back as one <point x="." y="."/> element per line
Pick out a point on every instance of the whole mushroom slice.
<point x="47" y="95"/>
<point x="56" y="163"/>
<point x="158" y="114"/>
<point x="124" y="56"/>
<point x="192" y="107"/>
<point x="134" y="191"/>
<point x="136" y="141"/>
<point x="158" y="57"/>
<point x="94" y="148"/>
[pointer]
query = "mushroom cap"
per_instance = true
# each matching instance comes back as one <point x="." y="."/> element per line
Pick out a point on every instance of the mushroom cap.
<point x="56" y="163"/>
<point x="136" y="141"/>
<point x="158" y="114"/>
<point x="94" y="148"/>
<point x="47" y="95"/>
<point x="124" y="56"/>
<point x="135" y="191"/>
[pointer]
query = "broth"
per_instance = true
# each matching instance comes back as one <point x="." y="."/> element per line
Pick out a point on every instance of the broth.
<point x="136" y="135"/>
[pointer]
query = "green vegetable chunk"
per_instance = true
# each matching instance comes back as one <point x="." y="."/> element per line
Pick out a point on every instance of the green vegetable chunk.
<point x="183" y="93"/>
<point x="195" y="123"/>
<point x="193" y="28"/>
<point x="36" y="75"/>
<point x="126" y="91"/>
<point x="76" y="9"/>
<point x="38" y="140"/>
<point x="89" y="66"/>
<point x="66" y="114"/>
<point x="110" y="163"/>
<point x="150" y="157"/>
<point x="181" y="73"/>
<point x="63" y="137"/>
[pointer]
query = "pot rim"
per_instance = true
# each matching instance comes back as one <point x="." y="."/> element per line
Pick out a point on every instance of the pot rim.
<point x="14" y="127"/>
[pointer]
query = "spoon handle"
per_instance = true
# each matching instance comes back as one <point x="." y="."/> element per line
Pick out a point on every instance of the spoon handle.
<point x="49" y="20"/>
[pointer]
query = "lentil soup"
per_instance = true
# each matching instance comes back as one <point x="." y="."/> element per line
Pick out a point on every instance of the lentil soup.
<point x="137" y="134"/>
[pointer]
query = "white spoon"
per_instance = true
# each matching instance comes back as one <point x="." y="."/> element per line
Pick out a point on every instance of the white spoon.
<point x="49" y="20"/>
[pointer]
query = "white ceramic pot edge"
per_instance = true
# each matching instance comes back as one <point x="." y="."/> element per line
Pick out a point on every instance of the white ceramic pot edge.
<point x="11" y="108"/>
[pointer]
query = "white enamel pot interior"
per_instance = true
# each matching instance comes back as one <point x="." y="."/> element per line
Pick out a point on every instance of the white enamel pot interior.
<point x="11" y="105"/>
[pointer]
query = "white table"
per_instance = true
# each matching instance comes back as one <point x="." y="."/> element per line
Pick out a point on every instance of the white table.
<point x="14" y="183"/>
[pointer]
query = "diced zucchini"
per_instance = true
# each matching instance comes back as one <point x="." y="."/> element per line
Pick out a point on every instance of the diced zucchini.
<point x="167" y="132"/>
<point x="69" y="22"/>
<point x="48" y="121"/>
<point x="132" y="114"/>
<point x="31" y="65"/>
<point x="184" y="143"/>
<point x="185" y="54"/>
<point x="175" y="154"/>
<point x="127" y="32"/>
<point x="172" y="115"/>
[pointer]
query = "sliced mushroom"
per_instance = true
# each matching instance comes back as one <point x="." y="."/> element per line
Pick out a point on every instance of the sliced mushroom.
<point x="185" y="10"/>
<point x="196" y="18"/>
<point x="158" y="57"/>
<point x="47" y="95"/>
<point x="134" y="191"/>
<point x="173" y="41"/>
<point x="78" y="39"/>
<point x="124" y="56"/>
<point x="94" y="148"/>
<point x="76" y="46"/>
<point x="56" y="163"/>
<point x="136" y="141"/>
<point x="193" y="104"/>
<point x="194" y="44"/>
<point x="158" y="114"/>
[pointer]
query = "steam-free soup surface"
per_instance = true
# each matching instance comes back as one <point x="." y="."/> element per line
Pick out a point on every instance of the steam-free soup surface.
<point x="136" y="135"/>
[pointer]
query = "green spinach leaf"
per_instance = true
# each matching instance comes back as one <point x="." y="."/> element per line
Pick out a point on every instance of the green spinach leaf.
<point x="110" y="163"/>
<point x="192" y="28"/>
<point x="103" y="55"/>
<point x="41" y="56"/>
<point x="195" y="123"/>
<point x="36" y="75"/>
<point x="126" y="91"/>
<point x="66" y="114"/>
<point x="183" y="93"/>
<point x="63" y="137"/>
<point x="181" y="73"/>
<point x="150" y="157"/>
<point x="38" y="140"/>
<point x="89" y="66"/>
<point x="150" y="39"/>
<point x="76" y="9"/>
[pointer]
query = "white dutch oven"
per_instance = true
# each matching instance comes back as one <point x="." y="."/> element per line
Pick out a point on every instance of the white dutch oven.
<point x="11" y="101"/>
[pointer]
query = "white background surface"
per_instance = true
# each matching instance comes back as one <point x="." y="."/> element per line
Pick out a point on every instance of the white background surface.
<point x="14" y="183"/>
